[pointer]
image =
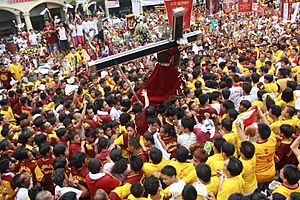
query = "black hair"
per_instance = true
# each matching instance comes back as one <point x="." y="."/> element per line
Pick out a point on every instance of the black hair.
<point x="295" y="195"/>
<point x="169" y="130"/>
<point x="287" y="130"/>
<point x="226" y="93"/>
<point x="169" y="171"/>
<point x="235" y="166"/>
<point x="136" y="163"/>
<point x="203" y="99"/>
<point x="187" y="123"/>
<point x="181" y="154"/>
<point x="151" y="185"/>
<point x="189" y="192"/>
<point x="203" y="172"/>
<point x="130" y="124"/>
<point x="275" y="110"/>
<point x="40" y="139"/>
<point x="60" y="162"/>
<point x="264" y="131"/>
<point x="287" y="95"/>
<point x="260" y="94"/>
<point x="227" y="124"/>
<point x="58" y="176"/>
<point x="59" y="150"/>
<point x="115" y="155"/>
<point x="228" y="148"/>
<point x="44" y="149"/>
<point x="32" y="192"/>
<point x="124" y="118"/>
<point x="77" y="160"/>
<point x="137" y="190"/>
<point x="155" y="155"/>
<point x="134" y="142"/>
<point x="218" y="143"/>
<point x="276" y="196"/>
<point x="247" y="149"/>
<point x="149" y="137"/>
<point x="24" y="136"/>
<point x="246" y="104"/>
<point x="269" y="78"/>
<point x="4" y="165"/>
<point x="291" y="111"/>
<point x="119" y="167"/>
<point x="291" y="173"/>
<point x="228" y="104"/>
<point x="247" y="87"/>
<point x="237" y="196"/>
<point x="68" y="196"/>
<point x="61" y="132"/>
<point x="94" y="165"/>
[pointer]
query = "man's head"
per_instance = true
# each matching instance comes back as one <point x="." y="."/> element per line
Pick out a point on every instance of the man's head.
<point x="21" y="180"/>
<point x="94" y="166"/>
<point x="290" y="174"/>
<point x="233" y="167"/>
<point x="168" y="175"/>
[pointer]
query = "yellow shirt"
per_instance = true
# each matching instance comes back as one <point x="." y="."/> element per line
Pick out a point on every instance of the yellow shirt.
<point x="191" y="177"/>
<point x="123" y="191"/>
<point x="17" y="71"/>
<point x="248" y="175"/>
<point x="150" y="168"/>
<point x="271" y="87"/>
<point x="9" y="114"/>
<point x="285" y="191"/>
<point x="259" y="63"/>
<point x="258" y="104"/>
<point x="293" y="122"/>
<point x="131" y="197"/>
<point x="213" y="185"/>
<point x="283" y="104"/>
<point x="265" y="164"/>
<point x="215" y="162"/>
<point x="231" y="186"/>
<point x="182" y="169"/>
<point x="282" y="83"/>
<point x="298" y="158"/>
<point x="232" y="138"/>
<point x="275" y="127"/>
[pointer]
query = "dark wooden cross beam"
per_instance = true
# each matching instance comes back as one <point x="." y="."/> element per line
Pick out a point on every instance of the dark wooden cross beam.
<point x="158" y="47"/>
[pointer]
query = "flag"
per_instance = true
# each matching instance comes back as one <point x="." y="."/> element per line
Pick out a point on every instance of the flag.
<point x="248" y="117"/>
<point x="245" y="6"/>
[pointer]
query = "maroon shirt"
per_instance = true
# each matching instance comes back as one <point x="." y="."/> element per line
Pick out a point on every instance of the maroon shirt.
<point x="285" y="156"/>
<point x="5" y="78"/>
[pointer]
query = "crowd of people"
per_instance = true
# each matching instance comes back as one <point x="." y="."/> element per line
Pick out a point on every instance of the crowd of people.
<point x="230" y="132"/>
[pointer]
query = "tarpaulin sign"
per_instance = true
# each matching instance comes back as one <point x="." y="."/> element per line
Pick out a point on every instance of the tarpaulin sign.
<point x="186" y="4"/>
<point x="227" y="7"/>
<point x="288" y="8"/>
<point x="245" y="6"/>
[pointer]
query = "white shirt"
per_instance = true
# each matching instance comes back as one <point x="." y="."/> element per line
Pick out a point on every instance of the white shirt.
<point x="115" y="114"/>
<point x="249" y="97"/>
<point x="94" y="26"/>
<point x="62" y="33"/>
<point x="108" y="167"/>
<point x="33" y="39"/>
<point x="63" y="190"/>
<point x="22" y="194"/>
<point x="73" y="29"/>
<point x="86" y="26"/>
<point x="79" y="29"/>
<point x="187" y="140"/>
<point x="235" y="94"/>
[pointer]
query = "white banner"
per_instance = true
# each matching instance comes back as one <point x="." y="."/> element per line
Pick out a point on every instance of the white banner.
<point x="136" y="7"/>
<point x="112" y="3"/>
<point x="151" y="2"/>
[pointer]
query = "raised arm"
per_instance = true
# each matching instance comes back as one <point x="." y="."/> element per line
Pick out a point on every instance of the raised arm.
<point x="145" y="95"/>
<point x="295" y="147"/>
<point x="50" y="16"/>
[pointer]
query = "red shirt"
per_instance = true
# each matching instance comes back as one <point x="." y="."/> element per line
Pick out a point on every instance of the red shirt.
<point x="51" y="37"/>
<point x="107" y="183"/>
<point x="285" y="156"/>
<point x="47" y="168"/>
<point x="79" y="174"/>
<point x="5" y="78"/>
<point x="92" y="123"/>
<point x="74" y="148"/>
<point x="102" y="156"/>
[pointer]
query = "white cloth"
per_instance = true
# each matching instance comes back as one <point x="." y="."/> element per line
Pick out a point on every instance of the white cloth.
<point x="94" y="26"/>
<point x="22" y="194"/>
<point x="176" y="190"/>
<point x="249" y="97"/>
<point x="62" y="33"/>
<point x="121" y="177"/>
<point x="187" y="140"/>
<point x="201" y="189"/>
<point x="63" y="190"/>
<point x="158" y="145"/>
<point x="115" y="114"/>
<point x="86" y="26"/>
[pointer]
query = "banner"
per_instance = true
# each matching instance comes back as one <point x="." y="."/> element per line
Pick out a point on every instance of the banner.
<point x="136" y="7"/>
<point x="17" y="1"/>
<point x="289" y="7"/>
<point x="151" y="2"/>
<point x="213" y="6"/>
<point x="227" y="7"/>
<point x="112" y="3"/>
<point x="245" y="6"/>
<point x="186" y="4"/>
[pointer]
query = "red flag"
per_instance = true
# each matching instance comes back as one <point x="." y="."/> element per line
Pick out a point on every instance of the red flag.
<point x="186" y="4"/>
<point x="248" y="117"/>
<point x="244" y="5"/>
<point x="227" y="7"/>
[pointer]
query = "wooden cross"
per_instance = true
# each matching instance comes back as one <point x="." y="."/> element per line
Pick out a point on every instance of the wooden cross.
<point x="159" y="47"/>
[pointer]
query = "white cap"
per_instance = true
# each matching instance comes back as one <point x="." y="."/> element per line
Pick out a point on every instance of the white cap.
<point x="103" y="74"/>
